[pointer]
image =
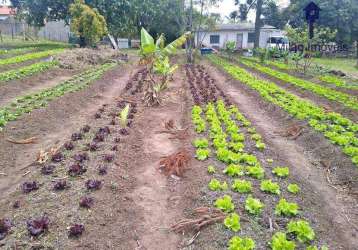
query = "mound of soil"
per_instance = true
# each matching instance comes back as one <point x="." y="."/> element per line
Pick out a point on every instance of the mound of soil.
<point x="81" y="58"/>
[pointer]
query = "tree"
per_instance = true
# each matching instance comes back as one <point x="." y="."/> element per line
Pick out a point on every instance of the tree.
<point x="258" y="23"/>
<point x="87" y="23"/>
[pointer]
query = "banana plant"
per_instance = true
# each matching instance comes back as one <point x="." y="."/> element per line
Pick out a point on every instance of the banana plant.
<point x="155" y="55"/>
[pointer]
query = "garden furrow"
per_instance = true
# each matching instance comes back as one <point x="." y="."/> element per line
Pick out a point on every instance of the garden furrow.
<point x="28" y="57"/>
<point x="338" y="129"/>
<point x="346" y="100"/>
<point x="225" y="134"/>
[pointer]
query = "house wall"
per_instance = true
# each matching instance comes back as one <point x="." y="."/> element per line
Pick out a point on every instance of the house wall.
<point x="226" y="36"/>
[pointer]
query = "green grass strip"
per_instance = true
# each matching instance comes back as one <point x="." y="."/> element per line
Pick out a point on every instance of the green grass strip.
<point x="31" y="56"/>
<point x="26" y="71"/>
<point x="333" y="95"/>
<point x="28" y="103"/>
<point x="338" y="129"/>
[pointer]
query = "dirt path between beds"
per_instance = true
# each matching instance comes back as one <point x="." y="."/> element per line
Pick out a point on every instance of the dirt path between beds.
<point x="52" y="124"/>
<point x="338" y="209"/>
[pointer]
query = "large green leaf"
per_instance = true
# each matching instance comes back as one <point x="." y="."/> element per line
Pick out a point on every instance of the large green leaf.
<point x="147" y="43"/>
<point x="172" y="47"/>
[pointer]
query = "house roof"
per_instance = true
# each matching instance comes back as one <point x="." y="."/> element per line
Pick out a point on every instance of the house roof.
<point x="240" y="26"/>
<point x="5" y="10"/>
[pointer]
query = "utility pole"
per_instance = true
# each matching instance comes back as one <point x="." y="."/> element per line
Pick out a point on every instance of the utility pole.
<point x="189" y="42"/>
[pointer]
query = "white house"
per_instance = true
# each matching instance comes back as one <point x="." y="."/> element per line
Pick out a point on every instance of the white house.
<point x="242" y="33"/>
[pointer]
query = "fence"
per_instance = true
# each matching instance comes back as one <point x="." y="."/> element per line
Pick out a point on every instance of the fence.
<point x="54" y="31"/>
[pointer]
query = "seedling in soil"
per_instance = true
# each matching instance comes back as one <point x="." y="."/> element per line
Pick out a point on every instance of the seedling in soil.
<point x="76" y="230"/>
<point x="280" y="242"/>
<point x="270" y="187"/>
<point x="211" y="170"/>
<point x="255" y="171"/>
<point x="60" y="185"/>
<point x="232" y="222"/>
<point x="29" y="186"/>
<point x="76" y="137"/>
<point x="86" y="202"/>
<point x="48" y="169"/>
<point x="202" y="154"/>
<point x="225" y="204"/>
<point x="281" y="171"/>
<point x="58" y="157"/>
<point x="234" y="170"/>
<point x="102" y="170"/>
<point x="86" y="129"/>
<point x="94" y="184"/>
<point x="69" y="146"/>
<point x="38" y="226"/>
<point x="242" y="186"/>
<point x="215" y="185"/>
<point x="76" y="169"/>
<point x="238" y="243"/>
<point x="201" y="143"/>
<point x="93" y="146"/>
<point x="5" y="226"/>
<point x="253" y="206"/>
<point x="302" y="230"/>
<point x="108" y="158"/>
<point x="293" y="188"/>
<point x="260" y="145"/>
<point x="286" y="208"/>
<point x="81" y="157"/>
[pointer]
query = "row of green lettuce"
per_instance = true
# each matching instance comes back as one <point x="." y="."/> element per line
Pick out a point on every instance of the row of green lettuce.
<point x="26" y="71"/>
<point x="30" y="56"/>
<point x="326" y="78"/>
<point x="339" y="130"/>
<point x="228" y="141"/>
<point x="17" y="51"/>
<point x="331" y="94"/>
<point x="28" y="103"/>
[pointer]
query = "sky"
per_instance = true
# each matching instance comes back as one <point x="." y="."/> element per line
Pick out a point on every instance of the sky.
<point x="225" y="7"/>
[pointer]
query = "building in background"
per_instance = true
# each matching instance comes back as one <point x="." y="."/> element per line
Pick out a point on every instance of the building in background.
<point x="241" y="33"/>
<point x="5" y="12"/>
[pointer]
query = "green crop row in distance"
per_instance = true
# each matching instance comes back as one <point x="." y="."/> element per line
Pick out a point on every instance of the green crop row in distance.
<point x="30" y="102"/>
<point x="333" y="95"/>
<point x="26" y="71"/>
<point x="31" y="56"/>
<point x="338" y="129"/>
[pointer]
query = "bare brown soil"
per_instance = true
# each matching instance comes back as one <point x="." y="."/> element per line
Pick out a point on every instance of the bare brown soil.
<point x="16" y="88"/>
<point x="319" y="100"/>
<point x="327" y="176"/>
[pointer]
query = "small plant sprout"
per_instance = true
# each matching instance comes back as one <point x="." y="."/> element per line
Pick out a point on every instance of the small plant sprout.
<point x="280" y="242"/>
<point x="269" y="161"/>
<point x="238" y="243"/>
<point x="215" y="185"/>
<point x="201" y="143"/>
<point x="286" y="208"/>
<point x="253" y="206"/>
<point x="256" y="137"/>
<point x="211" y="169"/>
<point x="316" y="248"/>
<point x="270" y="187"/>
<point x="255" y="171"/>
<point x="232" y="221"/>
<point x="225" y="204"/>
<point x="202" y="154"/>
<point x="281" y="171"/>
<point x="260" y="145"/>
<point x="242" y="186"/>
<point x="234" y="170"/>
<point x="293" y="188"/>
<point x="123" y="116"/>
<point x="302" y="230"/>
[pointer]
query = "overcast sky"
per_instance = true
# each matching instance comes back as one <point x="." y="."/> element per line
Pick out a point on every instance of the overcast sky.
<point x="225" y="7"/>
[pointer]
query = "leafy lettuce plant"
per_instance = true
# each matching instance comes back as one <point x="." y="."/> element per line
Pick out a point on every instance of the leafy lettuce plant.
<point x="302" y="230"/>
<point x="215" y="185"/>
<point x="234" y="170"/>
<point x="293" y="188"/>
<point x="270" y="187"/>
<point x="242" y="186"/>
<point x="253" y="206"/>
<point x="281" y="171"/>
<point x="225" y="204"/>
<point x="202" y="154"/>
<point x="280" y="242"/>
<point x="211" y="169"/>
<point x="256" y="137"/>
<point x="260" y="145"/>
<point x="232" y="221"/>
<point x="286" y="208"/>
<point x="237" y="137"/>
<point x="255" y="171"/>
<point x="238" y="243"/>
<point x="201" y="143"/>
